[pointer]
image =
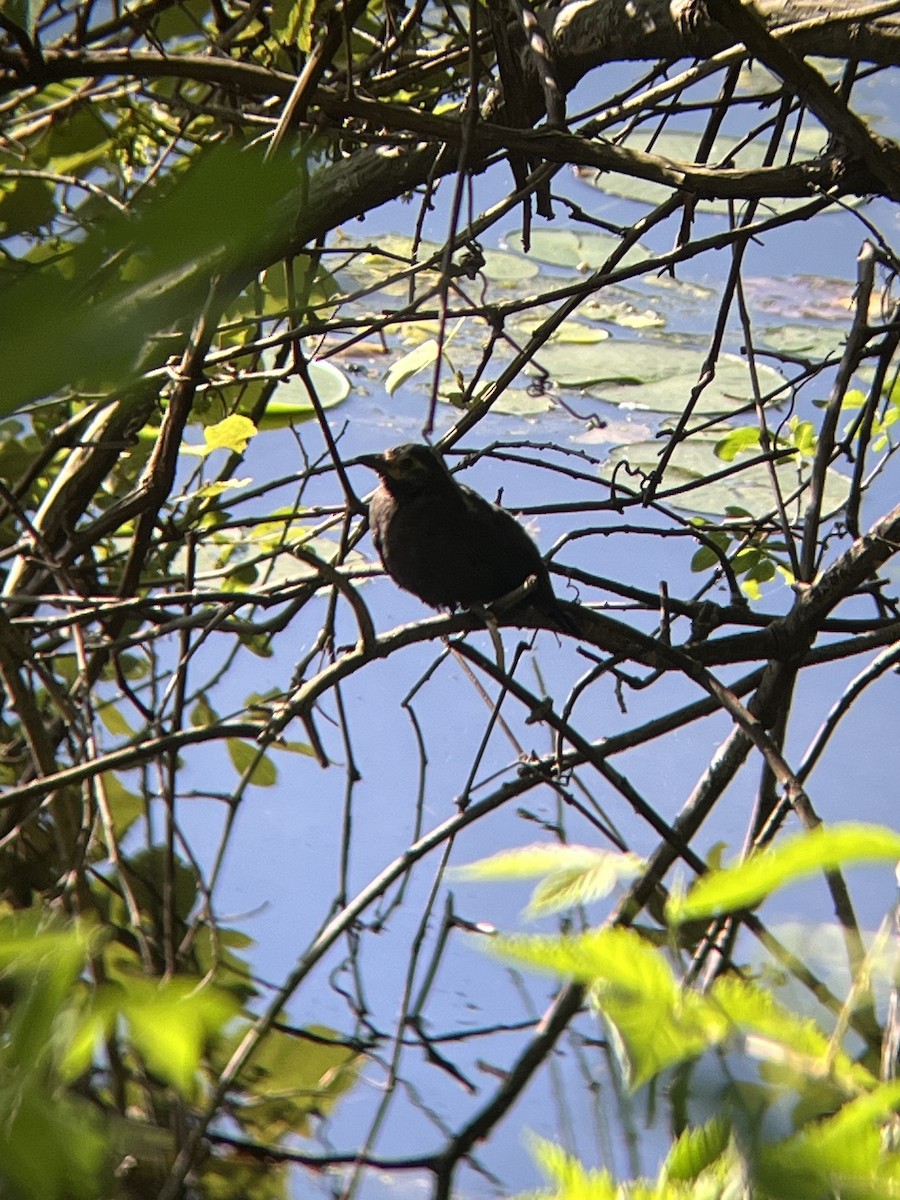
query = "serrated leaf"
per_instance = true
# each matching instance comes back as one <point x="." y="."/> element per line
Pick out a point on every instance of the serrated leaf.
<point x="843" y="1155"/>
<point x="796" y="857"/>
<point x="776" y="1035"/>
<point x="657" y="1023"/>
<point x="574" y="874"/>
<point x="697" y="1149"/>
<point x="571" y="1178"/>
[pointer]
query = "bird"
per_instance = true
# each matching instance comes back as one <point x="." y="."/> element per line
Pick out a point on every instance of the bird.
<point x="444" y="542"/>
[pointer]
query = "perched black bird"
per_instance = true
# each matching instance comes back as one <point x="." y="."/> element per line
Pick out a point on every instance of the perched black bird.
<point x="446" y="544"/>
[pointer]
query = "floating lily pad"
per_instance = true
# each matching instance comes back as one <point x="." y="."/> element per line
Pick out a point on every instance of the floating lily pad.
<point x="681" y="147"/>
<point x="395" y="253"/>
<point x="519" y="402"/>
<point x="568" y="248"/>
<point x="615" y="361"/>
<point x="615" y="433"/>
<point x="514" y="402"/>
<point x="807" y="341"/>
<point x="290" y="402"/>
<point x="655" y="375"/>
<point x="750" y="489"/>
<point x="731" y="389"/>
<point x="501" y="266"/>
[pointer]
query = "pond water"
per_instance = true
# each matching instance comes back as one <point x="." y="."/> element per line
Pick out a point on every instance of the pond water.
<point x="301" y="848"/>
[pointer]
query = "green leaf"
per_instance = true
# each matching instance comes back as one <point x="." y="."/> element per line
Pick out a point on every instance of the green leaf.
<point x="171" y="1022"/>
<point x="114" y="720"/>
<point x="571" y="1179"/>
<point x="574" y="874"/>
<point x="26" y="205"/>
<point x="125" y="807"/>
<point x="419" y="359"/>
<point x="844" y="1155"/>
<point x="781" y="1038"/>
<point x="295" y="1077"/>
<point x="232" y="434"/>
<point x="704" y="559"/>
<point x="804" y="437"/>
<point x="657" y="1023"/>
<point x="23" y="13"/>
<point x="51" y="1147"/>
<point x="746" y="438"/>
<point x="203" y="714"/>
<point x="114" y="299"/>
<point x="796" y="857"/>
<point x="292" y="22"/>
<point x="697" y="1149"/>
<point x="250" y="758"/>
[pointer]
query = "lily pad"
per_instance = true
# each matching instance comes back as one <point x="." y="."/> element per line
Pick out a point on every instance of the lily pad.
<point x="681" y="147"/>
<point x="580" y="251"/>
<point x="615" y="361"/>
<point x="514" y="402"/>
<point x="395" y="252"/>
<point x="808" y="341"/>
<point x="290" y="402"/>
<point x="750" y="489"/>
<point x="730" y="389"/>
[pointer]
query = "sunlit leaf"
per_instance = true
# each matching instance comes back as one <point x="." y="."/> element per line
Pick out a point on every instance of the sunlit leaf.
<point x="843" y="1155"/>
<point x="775" y="1034"/>
<point x="797" y="857"/>
<point x="696" y="1150"/>
<point x="232" y="434"/>
<point x="657" y="1023"/>
<point x="574" y="874"/>
<point x="571" y="1179"/>
<point x="295" y="1077"/>
<point x="423" y="356"/>
<point x="170" y="1022"/>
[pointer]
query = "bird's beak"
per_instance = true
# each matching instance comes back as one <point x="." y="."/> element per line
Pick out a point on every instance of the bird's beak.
<point x="377" y="462"/>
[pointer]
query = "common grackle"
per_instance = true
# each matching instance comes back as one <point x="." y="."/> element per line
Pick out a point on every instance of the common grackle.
<point x="446" y="544"/>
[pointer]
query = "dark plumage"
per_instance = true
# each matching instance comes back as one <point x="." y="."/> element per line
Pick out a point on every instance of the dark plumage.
<point x="446" y="544"/>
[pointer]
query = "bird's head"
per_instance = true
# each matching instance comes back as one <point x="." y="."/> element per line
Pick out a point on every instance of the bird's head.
<point x="411" y="468"/>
